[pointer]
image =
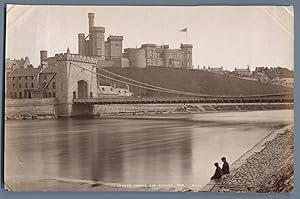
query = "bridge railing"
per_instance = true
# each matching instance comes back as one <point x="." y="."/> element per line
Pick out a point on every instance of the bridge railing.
<point x="188" y="99"/>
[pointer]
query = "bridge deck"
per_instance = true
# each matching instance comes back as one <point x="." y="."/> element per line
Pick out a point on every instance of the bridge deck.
<point x="161" y="100"/>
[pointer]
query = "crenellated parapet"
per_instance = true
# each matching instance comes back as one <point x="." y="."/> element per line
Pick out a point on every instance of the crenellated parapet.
<point x="75" y="58"/>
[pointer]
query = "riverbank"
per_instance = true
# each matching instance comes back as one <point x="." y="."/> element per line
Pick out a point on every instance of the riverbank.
<point x="135" y="110"/>
<point x="267" y="167"/>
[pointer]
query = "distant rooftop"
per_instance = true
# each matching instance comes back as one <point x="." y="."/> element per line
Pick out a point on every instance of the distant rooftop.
<point x="22" y="72"/>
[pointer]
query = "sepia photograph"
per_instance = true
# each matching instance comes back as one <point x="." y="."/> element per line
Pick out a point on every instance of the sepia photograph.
<point x="149" y="98"/>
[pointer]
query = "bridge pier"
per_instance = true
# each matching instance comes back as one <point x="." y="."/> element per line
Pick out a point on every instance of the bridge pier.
<point x="82" y="109"/>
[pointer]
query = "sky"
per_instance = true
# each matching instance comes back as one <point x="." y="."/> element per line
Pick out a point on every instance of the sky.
<point x="228" y="36"/>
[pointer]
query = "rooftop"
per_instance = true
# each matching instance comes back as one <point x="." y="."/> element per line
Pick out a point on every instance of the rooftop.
<point x="23" y="72"/>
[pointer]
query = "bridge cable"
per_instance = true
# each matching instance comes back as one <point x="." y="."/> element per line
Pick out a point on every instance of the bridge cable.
<point x="184" y="93"/>
<point x="132" y="84"/>
<point x="166" y="90"/>
<point x="149" y="85"/>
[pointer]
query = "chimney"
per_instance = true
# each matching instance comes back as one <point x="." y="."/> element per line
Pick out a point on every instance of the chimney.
<point x="91" y="19"/>
<point x="43" y="56"/>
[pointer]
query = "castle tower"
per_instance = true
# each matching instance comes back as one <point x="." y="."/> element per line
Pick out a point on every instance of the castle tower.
<point x="114" y="45"/>
<point x="91" y="19"/>
<point x="96" y="41"/>
<point x="166" y="55"/>
<point x="81" y="44"/>
<point x="187" y="50"/>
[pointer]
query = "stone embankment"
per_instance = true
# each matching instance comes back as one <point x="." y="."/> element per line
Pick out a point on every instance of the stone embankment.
<point x="269" y="169"/>
<point x="153" y="109"/>
<point x="34" y="108"/>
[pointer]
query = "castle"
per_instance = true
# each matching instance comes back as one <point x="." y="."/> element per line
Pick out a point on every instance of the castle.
<point x="110" y="53"/>
<point x="67" y="76"/>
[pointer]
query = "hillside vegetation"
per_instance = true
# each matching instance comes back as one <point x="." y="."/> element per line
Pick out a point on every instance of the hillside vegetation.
<point x="200" y="82"/>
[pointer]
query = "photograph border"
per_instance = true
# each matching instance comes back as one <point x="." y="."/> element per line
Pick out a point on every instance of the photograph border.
<point x="125" y="195"/>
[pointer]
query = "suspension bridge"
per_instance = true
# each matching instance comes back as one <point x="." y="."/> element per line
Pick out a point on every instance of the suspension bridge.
<point x="77" y="79"/>
<point x="177" y="96"/>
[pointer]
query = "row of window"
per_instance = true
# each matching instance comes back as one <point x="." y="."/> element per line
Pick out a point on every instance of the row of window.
<point x="51" y="95"/>
<point x="53" y="85"/>
<point x="25" y="85"/>
<point x="27" y="94"/>
<point x="26" y="77"/>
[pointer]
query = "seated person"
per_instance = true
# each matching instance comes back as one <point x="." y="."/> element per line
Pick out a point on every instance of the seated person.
<point x="225" y="167"/>
<point x="218" y="173"/>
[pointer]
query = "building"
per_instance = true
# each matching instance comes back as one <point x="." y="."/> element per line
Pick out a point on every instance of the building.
<point x="21" y="82"/>
<point x="155" y="55"/>
<point x="286" y="82"/>
<point x="261" y="77"/>
<point x="242" y="72"/>
<point x="109" y="52"/>
<point x="216" y="70"/>
<point x="12" y="64"/>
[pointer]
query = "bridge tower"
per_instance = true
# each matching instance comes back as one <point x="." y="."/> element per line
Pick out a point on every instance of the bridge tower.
<point x="75" y="78"/>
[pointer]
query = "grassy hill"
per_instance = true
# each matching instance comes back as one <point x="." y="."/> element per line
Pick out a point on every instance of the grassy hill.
<point x="195" y="81"/>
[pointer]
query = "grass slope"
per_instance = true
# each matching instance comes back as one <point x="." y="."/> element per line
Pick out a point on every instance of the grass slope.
<point x="195" y="81"/>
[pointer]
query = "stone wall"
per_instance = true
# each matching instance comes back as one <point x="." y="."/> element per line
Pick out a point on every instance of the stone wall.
<point x="136" y="109"/>
<point x="30" y="107"/>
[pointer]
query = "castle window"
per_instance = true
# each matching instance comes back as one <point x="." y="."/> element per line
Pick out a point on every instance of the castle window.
<point x="15" y="94"/>
<point x="54" y="95"/>
<point x="103" y="89"/>
<point x="31" y="85"/>
<point x="31" y="77"/>
<point x="14" y="85"/>
<point x="13" y="78"/>
<point x="20" y="86"/>
<point x="20" y="95"/>
<point x="25" y="85"/>
<point x="19" y="78"/>
<point x="53" y="84"/>
<point x="91" y="94"/>
<point x="26" y="78"/>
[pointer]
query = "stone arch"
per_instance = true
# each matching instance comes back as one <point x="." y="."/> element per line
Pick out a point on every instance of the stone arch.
<point x="82" y="89"/>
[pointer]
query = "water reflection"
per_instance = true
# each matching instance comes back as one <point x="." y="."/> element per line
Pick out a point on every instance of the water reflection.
<point x="131" y="151"/>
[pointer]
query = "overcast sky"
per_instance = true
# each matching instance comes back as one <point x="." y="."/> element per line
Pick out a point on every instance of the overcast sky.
<point x="222" y="36"/>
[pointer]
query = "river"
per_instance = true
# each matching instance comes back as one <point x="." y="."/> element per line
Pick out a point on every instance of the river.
<point x="180" y="149"/>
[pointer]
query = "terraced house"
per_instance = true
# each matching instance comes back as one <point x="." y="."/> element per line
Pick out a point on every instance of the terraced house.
<point x="22" y="81"/>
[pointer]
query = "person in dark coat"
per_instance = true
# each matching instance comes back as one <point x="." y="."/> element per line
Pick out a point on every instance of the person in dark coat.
<point x="225" y="167"/>
<point x="218" y="173"/>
